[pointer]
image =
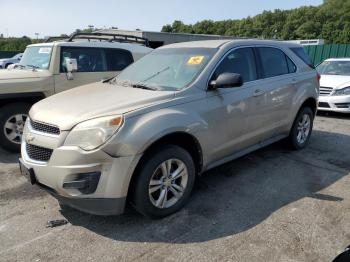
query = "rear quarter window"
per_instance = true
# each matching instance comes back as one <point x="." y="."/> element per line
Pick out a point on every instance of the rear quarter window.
<point x="118" y="59"/>
<point x="301" y="53"/>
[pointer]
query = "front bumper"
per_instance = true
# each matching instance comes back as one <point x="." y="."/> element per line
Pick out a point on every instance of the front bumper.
<point x="67" y="165"/>
<point x="334" y="103"/>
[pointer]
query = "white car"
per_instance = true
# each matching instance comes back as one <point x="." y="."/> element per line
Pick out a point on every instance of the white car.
<point x="334" y="85"/>
<point x="5" y="62"/>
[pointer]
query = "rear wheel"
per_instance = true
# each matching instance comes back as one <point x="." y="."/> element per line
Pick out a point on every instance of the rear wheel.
<point x="164" y="182"/>
<point x="12" y="119"/>
<point x="6" y="66"/>
<point x="302" y="128"/>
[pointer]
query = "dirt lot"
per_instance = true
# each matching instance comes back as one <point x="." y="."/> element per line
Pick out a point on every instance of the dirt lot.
<point x="271" y="205"/>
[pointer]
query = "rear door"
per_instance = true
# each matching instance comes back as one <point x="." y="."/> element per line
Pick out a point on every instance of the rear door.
<point x="94" y="64"/>
<point x="276" y="90"/>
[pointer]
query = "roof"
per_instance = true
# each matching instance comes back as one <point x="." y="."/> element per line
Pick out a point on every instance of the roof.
<point x="103" y="44"/>
<point x="338" y="59"/>
<point x="218" y="43"/>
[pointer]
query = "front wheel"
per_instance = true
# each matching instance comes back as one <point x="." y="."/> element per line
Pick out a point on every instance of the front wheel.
<point x="164" y="182"/>
<point x="302" y="128"/>
<point x="12" y="119"/>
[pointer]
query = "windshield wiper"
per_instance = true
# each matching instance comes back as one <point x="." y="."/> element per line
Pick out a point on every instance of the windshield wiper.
<point x="156" y="74"/>
<point x="126" y="83"/>
<point x="144" y="86"/>
<point x="20" y="66"/>
<point x="33" y="66"/>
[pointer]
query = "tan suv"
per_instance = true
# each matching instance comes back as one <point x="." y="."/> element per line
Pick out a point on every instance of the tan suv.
<point x="49" y="68"/>
<point x="175" y="113"/>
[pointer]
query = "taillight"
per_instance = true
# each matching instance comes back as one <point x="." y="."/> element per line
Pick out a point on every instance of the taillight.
<point x="318" y="78"/>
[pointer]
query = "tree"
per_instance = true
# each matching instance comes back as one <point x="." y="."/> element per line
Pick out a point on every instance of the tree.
<point x="330" y="21"/>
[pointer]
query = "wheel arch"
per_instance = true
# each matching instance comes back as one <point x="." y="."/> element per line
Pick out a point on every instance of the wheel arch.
<point x="310" y="102"/>
<point x="29" y="98"/>
<point x="7" y="64"/>
<point x="182" y="139"/>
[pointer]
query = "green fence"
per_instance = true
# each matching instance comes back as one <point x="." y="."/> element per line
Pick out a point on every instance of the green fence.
<point x="8" y="54"/>
<point x="318" y="53"/>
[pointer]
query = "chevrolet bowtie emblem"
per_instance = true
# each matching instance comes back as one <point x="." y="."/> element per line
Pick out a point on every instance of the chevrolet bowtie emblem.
<point x="30" y="138"/>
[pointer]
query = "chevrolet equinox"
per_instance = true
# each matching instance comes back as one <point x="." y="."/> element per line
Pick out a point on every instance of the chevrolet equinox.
<point x="144" y="135"/>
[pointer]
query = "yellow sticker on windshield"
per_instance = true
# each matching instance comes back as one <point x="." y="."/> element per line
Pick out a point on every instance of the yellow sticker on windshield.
<point x="195" y="60"/>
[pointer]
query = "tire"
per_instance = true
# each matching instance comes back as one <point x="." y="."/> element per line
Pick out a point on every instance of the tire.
<point x="299" y="136"/>
<point x="146" y="202"/>
<point x="11" y="125"/>
<point x="7" y="65"/>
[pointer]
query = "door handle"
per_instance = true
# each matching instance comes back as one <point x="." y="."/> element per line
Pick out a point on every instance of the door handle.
<point x="258" y="92"/>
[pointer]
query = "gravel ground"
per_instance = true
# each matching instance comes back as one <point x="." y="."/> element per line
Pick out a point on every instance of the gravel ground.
<point x="271" y="205"/>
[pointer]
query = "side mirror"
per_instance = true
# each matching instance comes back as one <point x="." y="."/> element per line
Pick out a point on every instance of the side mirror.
<point x="71" y="66"/>
<point x="226" y="80"/>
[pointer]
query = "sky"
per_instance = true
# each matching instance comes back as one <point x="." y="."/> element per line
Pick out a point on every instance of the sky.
<point x="55" y="17"/>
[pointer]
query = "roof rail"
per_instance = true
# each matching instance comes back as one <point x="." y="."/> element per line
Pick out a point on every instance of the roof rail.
<point x="110" y="38"/>
<point x="55" y="38"/>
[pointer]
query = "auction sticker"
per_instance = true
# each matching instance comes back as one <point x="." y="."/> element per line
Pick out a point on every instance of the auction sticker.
<point x="44" y="50"/>
<point x="195" y="60"/>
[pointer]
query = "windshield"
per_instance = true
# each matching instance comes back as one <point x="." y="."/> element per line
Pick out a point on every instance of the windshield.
<point x="36" y="57"/>
<point x="334" y="68"/>
<point x="166" y="69"/>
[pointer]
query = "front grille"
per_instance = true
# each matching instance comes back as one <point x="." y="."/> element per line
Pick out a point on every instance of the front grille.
<point x="323" y="104"/>
<point x="325" y="91"/>
<point x="45" y="128"/>
<point x="38" y="153"/>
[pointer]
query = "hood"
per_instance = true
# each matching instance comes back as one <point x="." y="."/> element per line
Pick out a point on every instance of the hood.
<point x="22" y="73"/>
<point x="335" y="81"/>
<point x="68" y="108"/>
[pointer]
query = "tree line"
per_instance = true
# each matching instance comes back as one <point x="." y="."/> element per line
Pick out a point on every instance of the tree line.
<point x="329" y="21"/>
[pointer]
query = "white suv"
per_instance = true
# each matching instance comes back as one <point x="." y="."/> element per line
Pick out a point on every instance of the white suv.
<point x="49" y="68"/>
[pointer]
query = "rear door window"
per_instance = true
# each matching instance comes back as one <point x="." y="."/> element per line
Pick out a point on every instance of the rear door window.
<point x="118" y="59"/>
<point x="273" y="62"/>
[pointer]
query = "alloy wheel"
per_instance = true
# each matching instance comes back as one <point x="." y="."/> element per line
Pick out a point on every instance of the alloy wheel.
<point x="304" y="126"/>
<point x="14" y="126"/>
<point x="168" y="183"/>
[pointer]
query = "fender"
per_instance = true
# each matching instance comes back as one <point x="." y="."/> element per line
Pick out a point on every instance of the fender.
<point x="31" y="97"/>
<point x="305" y="91"/>
<point x="143" y="130"/>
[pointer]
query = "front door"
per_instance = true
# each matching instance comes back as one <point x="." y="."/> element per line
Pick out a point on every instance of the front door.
<point x="94" y="64"/>
<point x="233" y="113"/>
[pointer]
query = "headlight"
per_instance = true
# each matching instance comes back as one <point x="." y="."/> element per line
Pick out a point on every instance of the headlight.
<point x="92" y="133"/>
<point x="342" y="92"/>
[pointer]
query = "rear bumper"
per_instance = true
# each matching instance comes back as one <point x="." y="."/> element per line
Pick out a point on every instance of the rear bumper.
<point x="339" y="104"/>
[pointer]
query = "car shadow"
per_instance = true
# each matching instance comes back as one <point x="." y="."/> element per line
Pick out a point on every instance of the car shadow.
<point x="8" y="157"/>
<point x="236" y="196"/>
